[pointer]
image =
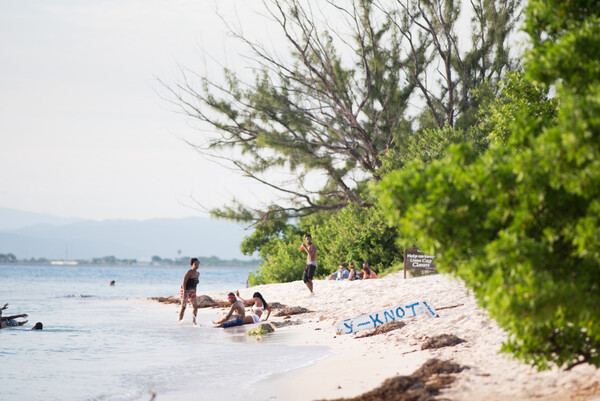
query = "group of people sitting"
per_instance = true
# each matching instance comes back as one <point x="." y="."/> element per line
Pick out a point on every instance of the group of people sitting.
<point x="10" y="321"/>
<point x="258" y="303"/>
<point x="351" y="273"/>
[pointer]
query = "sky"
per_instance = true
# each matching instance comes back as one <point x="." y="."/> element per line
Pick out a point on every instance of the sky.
<point x="85" y="128"/>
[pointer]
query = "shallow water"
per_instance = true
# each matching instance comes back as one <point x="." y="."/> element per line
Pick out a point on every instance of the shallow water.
<point x="98" y="344"/>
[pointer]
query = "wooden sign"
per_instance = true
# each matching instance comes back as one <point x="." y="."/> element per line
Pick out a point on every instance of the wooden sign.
<point x="417" y="260"/>
<point x="372" y="320"/>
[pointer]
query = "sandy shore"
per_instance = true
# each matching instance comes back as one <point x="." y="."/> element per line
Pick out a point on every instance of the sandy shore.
<point x="362" y="364"/>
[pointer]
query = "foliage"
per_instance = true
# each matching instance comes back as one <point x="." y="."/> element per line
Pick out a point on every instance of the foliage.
<point x="354" y="234"/>
<point x="327" y="113"/>
<point x="8" y="258"/>
<point x="357" y="235"/>
<point x="285" y="261"/>
<point x="519" y="223"/>
<point x="515" y="93"/>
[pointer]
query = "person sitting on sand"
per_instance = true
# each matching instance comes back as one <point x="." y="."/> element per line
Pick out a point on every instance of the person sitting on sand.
<point x="367" y="272"/>
<point x="341" y="274"/>
<point x="352" y="272"/>
<point x="9" y="321"/>
<point x="188" y="289"/>
<point x="258" y="306"/>
<point x="237" y="307"/>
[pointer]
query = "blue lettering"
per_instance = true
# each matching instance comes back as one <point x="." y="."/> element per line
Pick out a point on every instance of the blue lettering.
<point x="412" y="307"/>
<point x="376" y="319"/>
<point x="398" y="314"/>
<point x="349" y="327"/>
<point x="389" y="315"/>
<point x="364" y="324"/>
<point x="429" y="309"/>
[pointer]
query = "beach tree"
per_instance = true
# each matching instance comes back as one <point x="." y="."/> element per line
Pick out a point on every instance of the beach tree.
<point x="519" y="221"/>
<point x="354" y="234"/>
<point x="358" y="80"/>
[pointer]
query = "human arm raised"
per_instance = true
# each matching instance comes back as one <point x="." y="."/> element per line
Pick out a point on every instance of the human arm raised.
<point x="246" y="302"/>
<point x="14" y="316"/>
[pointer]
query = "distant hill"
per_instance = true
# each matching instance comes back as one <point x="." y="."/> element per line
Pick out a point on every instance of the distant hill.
<point x="28" y="235"/>
<point x="11" y="219"/>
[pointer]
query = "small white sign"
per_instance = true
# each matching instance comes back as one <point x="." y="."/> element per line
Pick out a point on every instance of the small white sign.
<point x="372" y="320"/>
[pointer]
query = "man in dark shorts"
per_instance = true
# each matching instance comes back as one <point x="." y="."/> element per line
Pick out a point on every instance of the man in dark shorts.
<point x="311" y="261"/>
<point x="237" y="308"/>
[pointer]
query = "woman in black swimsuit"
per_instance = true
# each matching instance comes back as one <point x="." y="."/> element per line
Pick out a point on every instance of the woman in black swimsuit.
<point x="188" y="289"/>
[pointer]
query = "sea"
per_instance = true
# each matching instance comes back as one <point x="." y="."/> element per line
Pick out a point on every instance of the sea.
<point x="100" y="342"/>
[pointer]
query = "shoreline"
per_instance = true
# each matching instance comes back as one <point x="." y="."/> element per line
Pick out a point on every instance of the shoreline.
<point x="360" y="365"/>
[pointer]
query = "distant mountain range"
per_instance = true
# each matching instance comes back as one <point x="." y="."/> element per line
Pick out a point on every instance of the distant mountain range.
<point x="33" y="235"/>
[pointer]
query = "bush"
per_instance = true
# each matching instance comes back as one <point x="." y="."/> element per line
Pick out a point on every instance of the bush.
<point x="519" y="223"/>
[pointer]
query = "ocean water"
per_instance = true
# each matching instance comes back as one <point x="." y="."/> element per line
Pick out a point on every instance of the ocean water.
<point x="99" y="343"/>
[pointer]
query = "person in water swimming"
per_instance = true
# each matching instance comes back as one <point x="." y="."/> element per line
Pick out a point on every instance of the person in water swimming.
<point x="188" y="289"/>
<point x="7" y="321"/>
<point x="258" y="306"/>
<point x="237" y="308"/>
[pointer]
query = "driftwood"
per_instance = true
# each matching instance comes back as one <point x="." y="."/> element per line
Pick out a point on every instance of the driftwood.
<point x="291" y="310"/>
<point x="443" y="340"/>
<point x="384" y="328"/>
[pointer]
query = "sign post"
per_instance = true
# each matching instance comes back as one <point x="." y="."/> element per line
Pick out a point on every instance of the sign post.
<point x="417" y="260"/>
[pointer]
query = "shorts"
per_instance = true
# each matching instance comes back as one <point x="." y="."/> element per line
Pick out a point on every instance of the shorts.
<point x="188" y="293"/>
<point x="185" y="295"/>
<point x="235" y="322"/>
<point x="255" y="318"/>
<point x="309" y="272"/>
<point x="11" y="323"/>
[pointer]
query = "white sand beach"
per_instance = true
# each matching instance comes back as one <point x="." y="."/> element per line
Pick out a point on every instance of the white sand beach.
<point x="361" y="364"/>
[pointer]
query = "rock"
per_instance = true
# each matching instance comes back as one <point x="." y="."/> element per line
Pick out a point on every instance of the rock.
<point x="205" y="301"/>
<point x="264" y="328"/>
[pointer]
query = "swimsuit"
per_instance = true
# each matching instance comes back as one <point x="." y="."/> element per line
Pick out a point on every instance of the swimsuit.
<point x="191" y="284"/>
<point x="190" y="289"/>
<point x="255" y="317"/>
<point x="187" y="294"/>
<point x="235" y="322"/>
<point x="309" y="271"/>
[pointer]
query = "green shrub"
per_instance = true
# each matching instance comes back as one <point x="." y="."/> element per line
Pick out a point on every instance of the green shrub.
<point x="519" y="223"/>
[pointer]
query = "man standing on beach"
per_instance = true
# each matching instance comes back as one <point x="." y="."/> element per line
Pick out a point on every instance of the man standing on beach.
<point x="311" y="261"/>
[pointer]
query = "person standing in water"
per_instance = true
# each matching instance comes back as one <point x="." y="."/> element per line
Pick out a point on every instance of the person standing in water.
<point x="188" y="289"/>
<point x="311" y="261"/>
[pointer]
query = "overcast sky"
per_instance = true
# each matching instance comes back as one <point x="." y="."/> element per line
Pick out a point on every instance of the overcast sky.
<point x="84" y="131"/>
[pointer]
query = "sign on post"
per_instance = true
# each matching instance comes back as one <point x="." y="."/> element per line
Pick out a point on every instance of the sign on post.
<point x="372" y="320"/>
<point x="417" y="260"/>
